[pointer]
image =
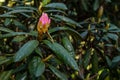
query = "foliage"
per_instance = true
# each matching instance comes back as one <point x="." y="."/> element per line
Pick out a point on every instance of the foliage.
<point x="82" y="42"/>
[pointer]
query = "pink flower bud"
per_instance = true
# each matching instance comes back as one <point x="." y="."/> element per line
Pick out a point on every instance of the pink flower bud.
<point x="44" y="19"/>
<point x="43" y="24"/>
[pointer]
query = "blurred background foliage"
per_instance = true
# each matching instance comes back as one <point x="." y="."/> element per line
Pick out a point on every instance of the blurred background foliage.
<point x="85" y="33"/>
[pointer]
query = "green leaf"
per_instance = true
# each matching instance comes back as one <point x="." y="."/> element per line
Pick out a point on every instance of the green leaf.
<point x="55" y="11"/>
<point x="7" y="21"/>
<point x="67" y="44"/>
<point x="18" y="11"/>
<point x="38" y="51"/>
<point x="57" y="5"/>
<point x="72" y="32"/>
<point x="84" y="4"/>
<point x="19" y="38"/>
<point x="5" y="75"/>
<point x="45" y="2"/>
<point x="112" y="36"/>
<point x="7" y="16"/>
<point x="5" y="29"/>
<point x="115" y="62"/>
<point x="94" y="62"/>
<point x="4" y="60"/>
<point x="104" y="74"/>
<point x="25" y="50"/>
<point x="62" y="54"/>
<point x="96" y="5"/>
<point x="113" y="28"/>
<point x="20" y="76"/>
<point x="11" y="34"/>
<point x="19" y="25"/>
<point x="36" y="67"/>
<point x="116" y="59"/>
<point x="109" y="62"/>
<point x="67" y="20"/>
<point x="58" y="73"/>
<point x="87" y="57"/>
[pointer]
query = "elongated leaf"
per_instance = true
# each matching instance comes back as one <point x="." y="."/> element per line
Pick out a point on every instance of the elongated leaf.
<point x="109" y="62"/>
<point x="116" y="59"/>
<point x="7" y="16"/>
<point x="19" y="38"/>
<point x="5" y="29"/>
<point x="36" y="67"/>
<point x="57" y="5"/>
<point x="7" y="21"/>
<point x="94" y="63"/>
<point x="19" y="25"/>
<point x="67" y="20"/>
<point x="18" y="11"/>
<point x="113" y="36"/>
<point x="5" y="75"/>
<point x="87" y="58"/>
<point x="58" y="73"/>
<point x="55" y="11"/>
<point x="96" y="5"/>
<point x="103" y="74"/>
<point x="67" y="44"/>
<point x="4" y="60"/>
<point x="11" y="34"/>
<point x="26" y="50"/>
<point x="69" y="30"/>
<point x="62" y="54"/>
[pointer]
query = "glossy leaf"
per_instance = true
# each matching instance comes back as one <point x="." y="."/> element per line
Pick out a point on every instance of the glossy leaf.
<point x="19" y="25"/>
<point x="58" y="73"/>
<point x="19" y="38"/>
<point x="57" y="5"/>
<point x="62" y="54"/>
<point x="67" y="20"/>
<point x="67" y="44"/>
<point x="5" y="29"/>
<point x="69" y="30"/>
<point x="36" y="67"/>
<point x="25" y="50"/>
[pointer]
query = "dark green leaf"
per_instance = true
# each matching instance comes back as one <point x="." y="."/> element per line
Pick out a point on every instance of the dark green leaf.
<point x="26" y="50"/>
<point x="116" y="59"/>
<point x="7" y="21"/>
<point x="86" y="58"/>
<point x="94" y="62"/>
<point x="67" y="44"/>
<point x="109" y="62"/>
<point x="19" y="25"/>
<point x="57" y="5"/>
<point x="5" y="29"/>
<point x="96" y="5"/>
<point x="69" y="30"/>
<point x="5" y="75"/>
<point x="58" y="73"/>
<point x="36" y="67"/>
<point x="11" y="34"/>
<point x="103" y="74"/>
<point x="62" y="54"/>
<point x="4" y="60"/>
<point x="19" y="38"/>
<point x="113" y="36"/>
<point x="67" y="20"/>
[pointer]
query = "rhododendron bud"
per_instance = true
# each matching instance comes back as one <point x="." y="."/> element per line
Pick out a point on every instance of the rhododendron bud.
<point x="43" y="24"/>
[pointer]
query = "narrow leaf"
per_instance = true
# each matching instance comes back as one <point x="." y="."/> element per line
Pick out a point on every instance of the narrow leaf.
<point x="58" y="73"/>
<point x="62" y="54"/>
<point x="25" y="50"/>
